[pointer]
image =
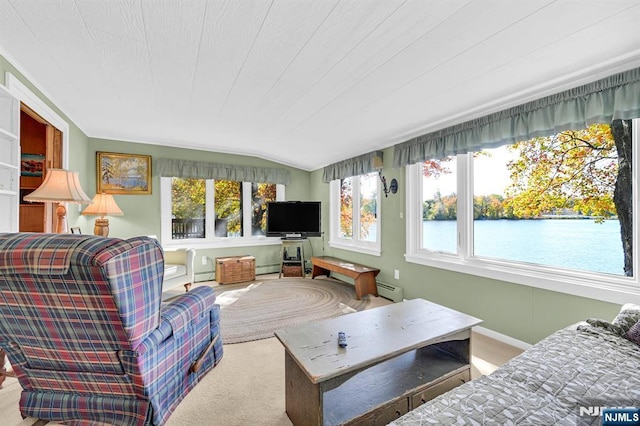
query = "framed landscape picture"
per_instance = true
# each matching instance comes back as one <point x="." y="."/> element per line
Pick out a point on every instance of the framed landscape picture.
<point x="32" y="164"/>
<point x="123" y="173"/>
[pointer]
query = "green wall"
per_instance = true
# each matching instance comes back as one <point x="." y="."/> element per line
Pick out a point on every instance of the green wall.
<point x="142" y="212"/>
<point x="522" y="312"/>
<point x="141" y="216"/>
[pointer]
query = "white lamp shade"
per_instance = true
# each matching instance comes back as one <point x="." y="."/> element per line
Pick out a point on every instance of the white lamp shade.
<point x="102" y="205"/>
<point x="61" y="186"/>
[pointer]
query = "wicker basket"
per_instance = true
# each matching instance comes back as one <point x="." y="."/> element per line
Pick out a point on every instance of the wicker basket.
<point x="292" y="271"/>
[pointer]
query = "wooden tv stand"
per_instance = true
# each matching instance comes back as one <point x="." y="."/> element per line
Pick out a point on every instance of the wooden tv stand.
<point x="364" y="277"/>
<point x="397" y="357"/>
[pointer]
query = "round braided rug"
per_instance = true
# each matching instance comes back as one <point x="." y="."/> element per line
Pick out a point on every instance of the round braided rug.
<point x="255" y="311"/>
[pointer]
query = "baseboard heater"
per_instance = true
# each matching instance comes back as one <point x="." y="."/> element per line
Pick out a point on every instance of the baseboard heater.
<point x="389" y="291"/>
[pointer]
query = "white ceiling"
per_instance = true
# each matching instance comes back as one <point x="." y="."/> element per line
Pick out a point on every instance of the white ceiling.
<point x="306" y="83"/>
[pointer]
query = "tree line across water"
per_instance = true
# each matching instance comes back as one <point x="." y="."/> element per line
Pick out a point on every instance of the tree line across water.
<point x="496" y="207"/>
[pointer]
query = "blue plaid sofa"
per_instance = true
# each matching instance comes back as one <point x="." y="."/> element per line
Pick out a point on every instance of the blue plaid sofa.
<point x="83" y="325"/>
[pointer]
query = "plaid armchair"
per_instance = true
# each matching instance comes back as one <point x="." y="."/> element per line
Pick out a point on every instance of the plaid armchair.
<point x="88" y="338"/>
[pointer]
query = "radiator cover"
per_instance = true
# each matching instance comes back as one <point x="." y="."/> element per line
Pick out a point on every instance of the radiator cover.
<point x="389" y="291"/>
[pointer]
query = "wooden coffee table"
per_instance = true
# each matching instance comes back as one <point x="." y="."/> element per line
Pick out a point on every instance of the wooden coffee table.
<point x="397" y="357"/>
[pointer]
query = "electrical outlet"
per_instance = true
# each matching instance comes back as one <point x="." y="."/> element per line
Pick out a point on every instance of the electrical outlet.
<point x="396" y="274"/>
<point x="204" y="260"/>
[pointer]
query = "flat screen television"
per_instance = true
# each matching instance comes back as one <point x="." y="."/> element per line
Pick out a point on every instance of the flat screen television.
<point x="293" y="219"/>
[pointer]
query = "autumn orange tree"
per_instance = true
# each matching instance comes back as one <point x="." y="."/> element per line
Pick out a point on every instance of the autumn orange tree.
<point x="445" y="207"/>
<point x="588" y="171"/>
<point x="440" y="207"/>
<point x="188" y="198"/>
<point x="368" y="216"/>
<point x="572" y="169"/>
<point x="491" y="207"/>
<point x="188" y="201"/>
<point x="261" y="193"/>
<point x="433" y="168"/>
<point x="228" y="194"/>
<point x="346" y="208"/>
<point x="367" y="211"/>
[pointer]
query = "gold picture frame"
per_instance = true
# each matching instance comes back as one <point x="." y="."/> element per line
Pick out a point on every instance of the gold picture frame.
<point x="123" y="173"/>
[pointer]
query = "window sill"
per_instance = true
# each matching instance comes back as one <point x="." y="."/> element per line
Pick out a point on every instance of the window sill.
<point x="221" y="243"/>
<point x="357" y="249"/>
<point x="603" y="287"/>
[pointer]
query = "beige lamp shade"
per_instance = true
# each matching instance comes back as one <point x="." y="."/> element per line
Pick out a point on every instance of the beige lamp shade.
<point x="60" y="186"/>
<point x="102" y="205"/>
<point x="377" y="162"/>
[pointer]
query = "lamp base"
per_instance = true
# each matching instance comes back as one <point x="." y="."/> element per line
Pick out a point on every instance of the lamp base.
<point x="61" y="212"/>
<point x="101" y="227"/>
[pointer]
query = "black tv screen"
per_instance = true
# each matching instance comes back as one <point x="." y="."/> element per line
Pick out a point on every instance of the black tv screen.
<point x="293" y="219"/>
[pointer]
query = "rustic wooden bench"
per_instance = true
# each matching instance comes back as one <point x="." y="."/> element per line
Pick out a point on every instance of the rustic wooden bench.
<point x="363" y="276"/>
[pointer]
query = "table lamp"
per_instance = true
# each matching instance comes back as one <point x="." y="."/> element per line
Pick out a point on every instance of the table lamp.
<point x="61" y="186"/>
<point x="103" y="204"/>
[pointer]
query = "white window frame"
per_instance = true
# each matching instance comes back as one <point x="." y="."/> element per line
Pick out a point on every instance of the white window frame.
<point x="600" y="286"/>
<point x="353" y="244"/>
<point x="210" y="240"/>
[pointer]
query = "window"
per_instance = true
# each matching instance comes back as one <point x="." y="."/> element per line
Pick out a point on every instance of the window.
<point x="261" y="194"/>
<point x="227" y="204"/>
<point x="208" y="210"/>
<point x="540" y="208"/>
<point x="188" y="207"/>
<point x="440" y="209"/>
<point x="542" y="212"/>
<point x="355" y="214"/>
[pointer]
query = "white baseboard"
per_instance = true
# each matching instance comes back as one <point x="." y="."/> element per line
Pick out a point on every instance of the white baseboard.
<point x="502" y="338"/>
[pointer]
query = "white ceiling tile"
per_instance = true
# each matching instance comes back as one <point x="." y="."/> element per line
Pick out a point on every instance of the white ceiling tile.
<point x="328" y="79"/>
<point x="229" y="31"/>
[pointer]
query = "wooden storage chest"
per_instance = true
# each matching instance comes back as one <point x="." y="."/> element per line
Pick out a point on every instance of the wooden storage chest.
<point x="235" y="269"/>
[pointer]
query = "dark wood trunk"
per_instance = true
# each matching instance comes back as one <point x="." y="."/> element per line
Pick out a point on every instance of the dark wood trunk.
<point x="623" y="193"/>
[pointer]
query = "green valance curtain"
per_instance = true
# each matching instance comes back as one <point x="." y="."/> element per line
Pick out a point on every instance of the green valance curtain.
<point x="613" y="97"/>
<point x="360" y="165"/>
<point x="168" y="167"/>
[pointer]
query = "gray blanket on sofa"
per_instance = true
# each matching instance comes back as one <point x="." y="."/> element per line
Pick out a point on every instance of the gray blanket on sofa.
<point x="585" y="366"/>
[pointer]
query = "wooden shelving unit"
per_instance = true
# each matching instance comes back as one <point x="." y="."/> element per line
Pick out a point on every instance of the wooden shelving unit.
<point x="398" y="385"/>
<point x="9" y="161"/>
<point x="33" y="147"/>
<point x="292" y="259"/>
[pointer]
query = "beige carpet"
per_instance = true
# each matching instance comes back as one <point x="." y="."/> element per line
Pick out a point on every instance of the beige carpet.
<point x="254" y="311"/>
<point x="247" y="387"/>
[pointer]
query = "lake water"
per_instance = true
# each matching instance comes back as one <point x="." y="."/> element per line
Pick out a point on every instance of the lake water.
<point x="579" y="244"/>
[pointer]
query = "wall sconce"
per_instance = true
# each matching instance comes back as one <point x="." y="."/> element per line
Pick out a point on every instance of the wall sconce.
<point x="393" y="186"/>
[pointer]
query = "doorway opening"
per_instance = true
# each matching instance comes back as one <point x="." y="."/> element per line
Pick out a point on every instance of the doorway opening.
<point x="41" y="149"/>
